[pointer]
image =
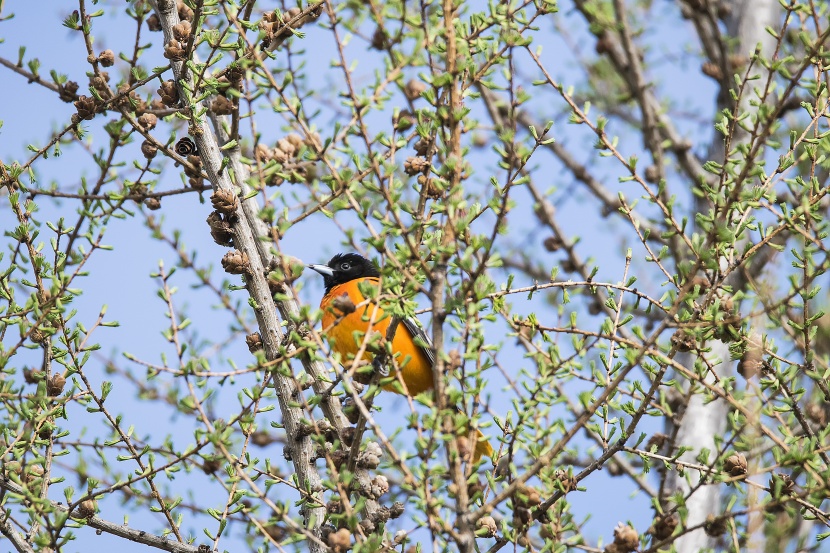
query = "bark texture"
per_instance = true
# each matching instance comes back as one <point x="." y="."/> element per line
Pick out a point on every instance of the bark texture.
<point x="703" y="421"/>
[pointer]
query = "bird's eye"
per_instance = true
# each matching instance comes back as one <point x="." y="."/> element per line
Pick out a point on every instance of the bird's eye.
<point x="345" y="266"/>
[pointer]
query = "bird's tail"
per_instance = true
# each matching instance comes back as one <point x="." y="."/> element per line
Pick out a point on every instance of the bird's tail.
<point x="483" y="447"/>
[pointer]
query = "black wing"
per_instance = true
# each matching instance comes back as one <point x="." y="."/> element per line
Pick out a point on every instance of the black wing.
<point x="422" y="340"/>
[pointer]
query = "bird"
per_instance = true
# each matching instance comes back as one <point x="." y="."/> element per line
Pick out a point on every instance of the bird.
<point x="346" y="322"/>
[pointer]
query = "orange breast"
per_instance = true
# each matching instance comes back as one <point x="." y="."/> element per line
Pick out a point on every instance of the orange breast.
<point x="346" y="334"/>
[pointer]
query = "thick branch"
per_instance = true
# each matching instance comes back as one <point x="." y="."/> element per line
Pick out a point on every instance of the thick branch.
<point x="20" y="544"/>
<point x="703" y="421"/>
<point x="289" y="307"/>
<point x="246" y="240"/>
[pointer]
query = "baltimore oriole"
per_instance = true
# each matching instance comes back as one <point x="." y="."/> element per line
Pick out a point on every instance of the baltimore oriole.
<point x="346" y="328"/>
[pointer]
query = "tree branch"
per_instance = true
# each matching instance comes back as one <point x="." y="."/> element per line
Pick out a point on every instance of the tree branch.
<point x="120" y="530"/>
<point x="246" y="240"/>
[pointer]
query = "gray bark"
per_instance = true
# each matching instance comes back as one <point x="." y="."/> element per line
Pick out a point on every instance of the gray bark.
<point x="702" y="422"/>
<point x="247" y="231"/>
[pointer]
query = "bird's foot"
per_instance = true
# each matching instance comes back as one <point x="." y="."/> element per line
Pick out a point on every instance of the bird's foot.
<point x="380" y="366"/>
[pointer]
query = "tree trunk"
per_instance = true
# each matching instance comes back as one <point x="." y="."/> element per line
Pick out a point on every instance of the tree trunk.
<point x="703" y="421"/>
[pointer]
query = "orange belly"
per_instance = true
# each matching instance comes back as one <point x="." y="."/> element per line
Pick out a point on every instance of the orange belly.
<point x="347" y="334"/>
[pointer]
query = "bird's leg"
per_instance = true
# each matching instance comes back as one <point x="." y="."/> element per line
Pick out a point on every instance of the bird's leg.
<point x="380" y="365"/>
<point x="381" y="361"/>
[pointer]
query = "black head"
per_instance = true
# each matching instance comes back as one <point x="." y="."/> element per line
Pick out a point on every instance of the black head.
<point x="344" y="267"/>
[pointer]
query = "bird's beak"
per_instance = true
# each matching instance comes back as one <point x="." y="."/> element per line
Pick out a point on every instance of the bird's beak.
<point x="324" y="270"/>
